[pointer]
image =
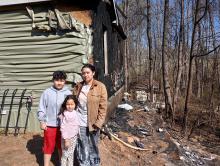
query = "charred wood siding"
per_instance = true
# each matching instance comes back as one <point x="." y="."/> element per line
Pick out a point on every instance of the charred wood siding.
<point x="102" y="20"/>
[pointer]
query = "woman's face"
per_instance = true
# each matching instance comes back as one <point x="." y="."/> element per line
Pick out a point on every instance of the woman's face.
<point x="87" y="74"/>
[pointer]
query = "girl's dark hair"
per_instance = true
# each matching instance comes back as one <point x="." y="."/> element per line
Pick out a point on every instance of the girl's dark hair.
<point x="90" y="66"/>
<point x="63" y="106"/>
<point x="59" y="75"/>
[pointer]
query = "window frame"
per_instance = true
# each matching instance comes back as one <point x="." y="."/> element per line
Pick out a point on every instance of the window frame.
<point x="105" y="50"/>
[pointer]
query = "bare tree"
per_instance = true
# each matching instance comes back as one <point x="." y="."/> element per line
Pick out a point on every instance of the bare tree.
<point x="215" y="59"/>
<point x="180" y="57"/>
<point x="166" y="84"/>
<point x="175" y="55"/>
<point x="149" y="37"/>
<point x="126" y="47"/>
<point x="196" y="21"/>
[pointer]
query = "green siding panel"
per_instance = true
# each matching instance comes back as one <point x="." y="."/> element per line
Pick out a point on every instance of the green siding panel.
<point x="28" y="58"/>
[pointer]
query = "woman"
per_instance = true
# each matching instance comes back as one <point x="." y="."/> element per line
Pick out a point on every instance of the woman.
<point x="92" y="107"/>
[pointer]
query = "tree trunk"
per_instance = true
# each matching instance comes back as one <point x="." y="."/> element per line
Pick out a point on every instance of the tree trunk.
<point x="166" y="84"/>
<point x="198" y="78"/>
<point x="149" y="37"/>
<point x="189" y="81"/>
<point x="180" y="58"/>
<point x="126" y="49"/>
<point x="215" y="60"/>
<point x="197" y="63"/>
<point x="190" y="72"/>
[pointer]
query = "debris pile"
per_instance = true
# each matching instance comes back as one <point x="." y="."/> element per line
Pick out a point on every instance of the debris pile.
<point x="138" y="125"/>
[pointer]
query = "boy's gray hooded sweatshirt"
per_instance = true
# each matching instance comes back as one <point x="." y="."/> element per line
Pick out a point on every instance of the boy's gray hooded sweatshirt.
<point x="50" y="104"/>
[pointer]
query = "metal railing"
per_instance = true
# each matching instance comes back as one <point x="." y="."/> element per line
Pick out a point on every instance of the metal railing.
<point x="9" y="101"/>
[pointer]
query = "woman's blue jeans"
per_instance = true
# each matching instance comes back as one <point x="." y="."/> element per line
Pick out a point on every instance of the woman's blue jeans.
<point x="87" y="147"/>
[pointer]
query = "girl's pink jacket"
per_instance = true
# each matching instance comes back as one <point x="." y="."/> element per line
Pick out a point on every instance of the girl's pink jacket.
<point x="69" y="125"/>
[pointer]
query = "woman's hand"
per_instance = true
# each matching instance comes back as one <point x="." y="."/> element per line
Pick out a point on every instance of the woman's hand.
<point x="95" y="127"/>
<point x="43" y="126"/>
<point x="67" y="143"/>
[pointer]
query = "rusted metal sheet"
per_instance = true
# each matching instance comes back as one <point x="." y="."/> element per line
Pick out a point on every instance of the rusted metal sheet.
<point x="79" y="13"/>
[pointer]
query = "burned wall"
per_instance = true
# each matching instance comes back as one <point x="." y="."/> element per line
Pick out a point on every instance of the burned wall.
<point x="101" y="21"/>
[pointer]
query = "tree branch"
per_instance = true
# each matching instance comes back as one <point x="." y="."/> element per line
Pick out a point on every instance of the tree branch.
<point x="207" y="53"/>
<point x="204" y="13"/>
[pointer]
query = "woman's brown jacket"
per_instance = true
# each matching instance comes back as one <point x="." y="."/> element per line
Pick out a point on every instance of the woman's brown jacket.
<point x="96" y="103"/>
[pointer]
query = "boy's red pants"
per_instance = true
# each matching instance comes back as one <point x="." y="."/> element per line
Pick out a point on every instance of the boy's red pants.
<point x="52" y="138"/>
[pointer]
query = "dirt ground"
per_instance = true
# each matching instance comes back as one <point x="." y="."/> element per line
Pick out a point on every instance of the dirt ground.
<point x="26" y="151"/>
<point x="162" y="148"/>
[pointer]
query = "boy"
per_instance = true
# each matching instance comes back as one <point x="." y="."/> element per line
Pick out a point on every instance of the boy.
<point x="49" y="107"/>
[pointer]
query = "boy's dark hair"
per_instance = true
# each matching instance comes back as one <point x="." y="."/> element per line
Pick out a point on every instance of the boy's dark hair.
<point x="90" y="66"/>
<point x="57" y="75"/>
<point x="63" y="106"/>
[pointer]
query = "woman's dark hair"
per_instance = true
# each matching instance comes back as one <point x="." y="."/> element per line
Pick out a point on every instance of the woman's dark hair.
<point x="63" y="106"/>
<point x="90" y="66"/>
<point x="59" y="74"/>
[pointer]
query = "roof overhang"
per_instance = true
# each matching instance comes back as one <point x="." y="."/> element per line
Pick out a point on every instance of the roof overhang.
<point x="13" y="2"/>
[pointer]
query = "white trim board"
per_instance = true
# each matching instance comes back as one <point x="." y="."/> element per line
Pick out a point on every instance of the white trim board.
<point x="15" y="2"/>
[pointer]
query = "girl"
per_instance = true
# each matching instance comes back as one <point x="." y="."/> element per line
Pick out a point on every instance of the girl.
<point x="69" y="128"/>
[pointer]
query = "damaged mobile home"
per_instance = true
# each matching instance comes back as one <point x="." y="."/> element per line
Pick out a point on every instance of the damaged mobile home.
<point x="38" y="37"/>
